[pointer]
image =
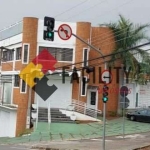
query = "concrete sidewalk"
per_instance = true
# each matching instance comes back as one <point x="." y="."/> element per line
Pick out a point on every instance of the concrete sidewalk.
<point x="86" y="136"/>
<point x="65" y="131"/>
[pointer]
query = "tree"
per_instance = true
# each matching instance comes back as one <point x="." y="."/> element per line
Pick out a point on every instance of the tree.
<point x="128" y="35"/>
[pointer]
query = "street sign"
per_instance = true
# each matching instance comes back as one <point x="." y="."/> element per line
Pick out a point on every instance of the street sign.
<point x="106" y="77"/>
<point x="124" y="104"/>
<point x="64" y="32"/>
<point x="124" y="91"/>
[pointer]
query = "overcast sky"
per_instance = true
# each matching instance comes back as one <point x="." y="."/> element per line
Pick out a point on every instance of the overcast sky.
<point x="95" y="11"/>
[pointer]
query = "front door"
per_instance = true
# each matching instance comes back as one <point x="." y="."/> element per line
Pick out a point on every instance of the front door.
<point x="92" y="99"/>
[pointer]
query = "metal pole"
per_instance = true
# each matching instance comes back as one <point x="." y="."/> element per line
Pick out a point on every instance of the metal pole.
<point x="123" y="127"/>
<point x="104" y="117"/>
<point x="1" y="97"/>
<point x="91" y="46"/>
<point x="29" y="107"/>
<point x="79" y="89"/>
<point x="0" y="57"/>
<point x="104" y="124"/>
<point x="104" y="106"/>
<point x="88" y="44"/>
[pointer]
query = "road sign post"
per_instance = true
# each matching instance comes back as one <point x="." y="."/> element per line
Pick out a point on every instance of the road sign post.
<point x="124" y="92"/>
<point x="105" y="67"/>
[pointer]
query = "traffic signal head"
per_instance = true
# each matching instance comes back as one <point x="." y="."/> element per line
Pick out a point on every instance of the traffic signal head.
<point x="105" y="93"/>
<point x="89" y="69"/>
<point x="48" y="34"/>
<point x="49" y="23"/>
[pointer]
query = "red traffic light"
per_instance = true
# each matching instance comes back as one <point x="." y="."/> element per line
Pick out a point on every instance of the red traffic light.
<point x="105" y="88"/>
<point x="49" y="23"/>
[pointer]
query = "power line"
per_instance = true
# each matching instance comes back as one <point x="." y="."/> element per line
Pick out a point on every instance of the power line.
<point x="78" y="47"/>
<point x="111" y="10"/>
<point x="87" y="9"/>
<point x="94" y="41"/>
<point x="96" y="64"/>
<point x="102" y="41"/>
<point x="71" y="8"/>
<point x="109" y="37"/>
<point x="108" y="55"/>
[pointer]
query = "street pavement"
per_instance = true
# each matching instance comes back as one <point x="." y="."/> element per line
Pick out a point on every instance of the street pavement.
<point x="129" y="142"/>
<point x="14" y="147"/>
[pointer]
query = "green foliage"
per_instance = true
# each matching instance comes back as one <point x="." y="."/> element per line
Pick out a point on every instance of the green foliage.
<point x="128" y="35"/>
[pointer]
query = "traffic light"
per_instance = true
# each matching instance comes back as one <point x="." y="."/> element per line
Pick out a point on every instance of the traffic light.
<point x="49" y="33"/>
<point x="105" y="93"/>
<point x="74" y="75"/>
<point x="33" y="115"/>
<point x="89" y="69"/>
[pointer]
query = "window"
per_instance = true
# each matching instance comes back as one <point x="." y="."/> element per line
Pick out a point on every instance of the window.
<point x="23" y="86"/>
<point x="85" y="57"/>
<point x="148" y="112"/>
<point x="136" y="103"/>
<point x="143" y="112"/>
<point x="18" y="53"/>
<point x="83" y="86"/>
<point x="25" y="53"/>
<point x="8" y="55"/>
<point x="60" y="54"/>
<point x="16" y="81"/>
<point x="93" y="98"/>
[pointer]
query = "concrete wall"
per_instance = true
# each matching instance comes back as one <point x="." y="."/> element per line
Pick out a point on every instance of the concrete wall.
<point x="7" y="122"/>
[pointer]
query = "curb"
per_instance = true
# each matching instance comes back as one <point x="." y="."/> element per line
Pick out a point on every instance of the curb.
<point x="140" y="148"/>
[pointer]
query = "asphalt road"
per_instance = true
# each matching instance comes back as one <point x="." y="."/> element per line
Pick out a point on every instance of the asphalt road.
<point x="129" y="142"/>
<point x="13" y="147"/>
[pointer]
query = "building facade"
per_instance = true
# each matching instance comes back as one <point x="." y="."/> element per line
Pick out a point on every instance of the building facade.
<point x="25" y="39"/>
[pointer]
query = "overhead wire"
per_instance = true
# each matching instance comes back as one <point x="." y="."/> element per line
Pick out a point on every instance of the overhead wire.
<point x="95" y="5"/>
<point x="86" y="9"/>
<point x="97" y="64"/>
<point x="75" y="6"/>
<point x="105" y="39"/>
<point x="104" y="44"/>
<point x="112" y="9"/>
<point x="104" y="56"/>
<point x="92" y="41"/>
<point x="101" y="57"/>
<point x="111" y="60"/>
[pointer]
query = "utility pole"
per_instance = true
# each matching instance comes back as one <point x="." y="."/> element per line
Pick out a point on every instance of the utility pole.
<point x="1" y="97"/>
<point x="105" y="67"/>
<point x="104" y="104"/>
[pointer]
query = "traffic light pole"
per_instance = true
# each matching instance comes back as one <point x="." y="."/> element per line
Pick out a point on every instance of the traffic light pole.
<point x="104" y="104"/>
<point x="123" y="125"/>
<point x="104" y="117"/>
<point x="105" y="67"/>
